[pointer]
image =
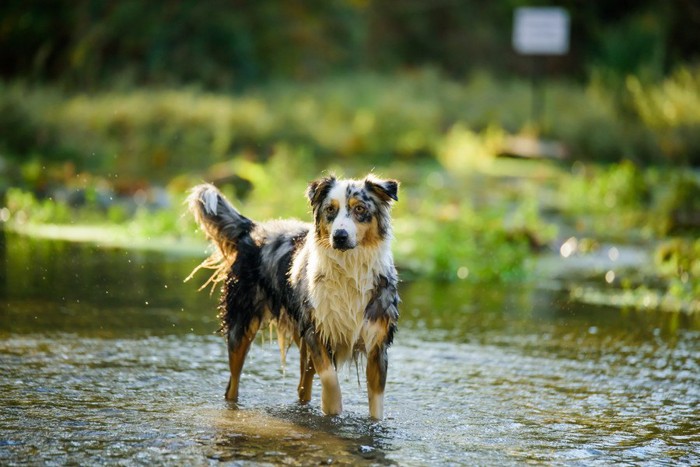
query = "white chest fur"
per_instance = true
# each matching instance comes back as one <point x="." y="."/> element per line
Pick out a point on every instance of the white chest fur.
<point x="340" y="287"/>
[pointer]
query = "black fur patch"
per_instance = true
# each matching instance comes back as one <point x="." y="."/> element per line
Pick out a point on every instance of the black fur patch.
<point x="259" y="277"/>
<point x="386" y="190"/>
<point x="359" y="194"/>
<point x="352" y="191"/>
<point x="330" y="212"/>
<point x="365" y="217"/>
<point x="383" y="193"/>
<point x="318" y="190"/>
<point x="384" y="303"/>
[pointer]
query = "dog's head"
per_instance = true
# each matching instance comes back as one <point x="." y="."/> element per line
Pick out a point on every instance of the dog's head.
<point x="352" y="213"/>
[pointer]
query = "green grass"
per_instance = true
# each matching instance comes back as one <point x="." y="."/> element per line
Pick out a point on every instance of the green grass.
<point x="624" y="201"/>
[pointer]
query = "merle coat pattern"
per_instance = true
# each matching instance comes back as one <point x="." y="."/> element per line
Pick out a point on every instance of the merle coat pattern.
<point x="330" y="286"/>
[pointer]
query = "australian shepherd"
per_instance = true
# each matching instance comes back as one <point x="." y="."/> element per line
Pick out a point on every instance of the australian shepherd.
<point x="330" y="286"/>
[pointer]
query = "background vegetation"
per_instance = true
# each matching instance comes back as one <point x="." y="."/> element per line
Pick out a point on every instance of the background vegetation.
<point x="110" y="110"/>
<point x="235" y="44"/>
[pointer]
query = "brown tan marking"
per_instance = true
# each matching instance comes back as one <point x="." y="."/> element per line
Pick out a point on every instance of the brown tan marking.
<point x="371" y="237"/>
<point x="236" y="357"/>
<point x="367" y="232"/>
<point x="331" y="399"/>
<point x="323" y="235"/>
<point x="352" y="202"/>
<point x="376" y="380"/>
<point x="306" y="374"/>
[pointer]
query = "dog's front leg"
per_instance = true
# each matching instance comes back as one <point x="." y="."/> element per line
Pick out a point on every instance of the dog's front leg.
<point x="331" y="399"/>
<point x="377" y="364"/>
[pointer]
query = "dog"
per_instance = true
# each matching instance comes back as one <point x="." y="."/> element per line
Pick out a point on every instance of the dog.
<point x="330" y="286"/>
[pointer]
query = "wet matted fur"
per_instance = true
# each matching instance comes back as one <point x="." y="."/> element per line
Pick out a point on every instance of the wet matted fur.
<point x="330" y="286"/>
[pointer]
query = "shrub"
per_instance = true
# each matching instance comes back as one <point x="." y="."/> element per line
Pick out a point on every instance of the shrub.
<point x="671" y="110"/>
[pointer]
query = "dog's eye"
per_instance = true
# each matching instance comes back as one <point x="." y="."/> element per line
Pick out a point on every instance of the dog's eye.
<point x="360" y="209"/>
<point x="330" y="209"/>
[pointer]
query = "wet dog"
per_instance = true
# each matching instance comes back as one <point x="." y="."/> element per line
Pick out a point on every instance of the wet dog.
<point x="330" y="286"/>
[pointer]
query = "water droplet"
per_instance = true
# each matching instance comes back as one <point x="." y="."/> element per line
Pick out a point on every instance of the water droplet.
<point x="463" y="272"/>
<point x="610" y="277"/>
<point x="569" y="247"/>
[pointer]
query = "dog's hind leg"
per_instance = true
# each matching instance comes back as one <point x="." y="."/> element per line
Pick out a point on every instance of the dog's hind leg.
<point x="377" y="365"/>
<point x="306" y="378"/>
<point x="331" y="399"/>
<point x="238" y="344"/>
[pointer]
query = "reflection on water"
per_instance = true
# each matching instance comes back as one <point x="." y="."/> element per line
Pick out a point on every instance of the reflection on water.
<point x="107" y="357"/>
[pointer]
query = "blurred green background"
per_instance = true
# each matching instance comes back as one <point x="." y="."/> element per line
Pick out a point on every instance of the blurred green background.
<point x="110" y="110"/>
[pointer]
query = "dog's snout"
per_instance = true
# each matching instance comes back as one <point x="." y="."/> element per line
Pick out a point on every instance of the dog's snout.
<point x="341" y="239"/>
<point x="340" y="236"/>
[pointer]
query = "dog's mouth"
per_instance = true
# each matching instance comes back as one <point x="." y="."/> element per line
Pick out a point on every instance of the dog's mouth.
<point x="342" y="245"/>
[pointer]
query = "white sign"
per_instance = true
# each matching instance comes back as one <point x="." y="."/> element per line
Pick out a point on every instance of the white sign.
<point x="541" y="31"/>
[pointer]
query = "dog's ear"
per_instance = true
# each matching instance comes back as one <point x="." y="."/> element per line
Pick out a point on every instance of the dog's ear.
<point x="318" y="189"/>
<point x="386" y="190"/>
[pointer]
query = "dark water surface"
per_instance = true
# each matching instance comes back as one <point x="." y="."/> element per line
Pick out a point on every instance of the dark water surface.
<point x="107" y="357"/>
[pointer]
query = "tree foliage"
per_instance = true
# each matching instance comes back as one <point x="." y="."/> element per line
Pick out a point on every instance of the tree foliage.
<point x="233" y="44"/>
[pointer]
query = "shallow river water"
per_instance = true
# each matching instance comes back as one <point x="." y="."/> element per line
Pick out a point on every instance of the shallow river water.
<point x="106" y="357"/>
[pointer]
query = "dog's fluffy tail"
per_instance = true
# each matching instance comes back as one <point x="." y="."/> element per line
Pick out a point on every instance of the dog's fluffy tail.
<point x="221" y="223"/>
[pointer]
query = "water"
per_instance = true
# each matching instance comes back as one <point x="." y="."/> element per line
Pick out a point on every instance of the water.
<point x="107" y="357"/>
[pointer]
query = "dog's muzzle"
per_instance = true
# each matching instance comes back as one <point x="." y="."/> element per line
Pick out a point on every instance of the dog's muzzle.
<point x="341" y="240"/>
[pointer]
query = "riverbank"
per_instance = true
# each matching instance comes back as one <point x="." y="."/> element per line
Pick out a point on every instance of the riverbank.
<point x="605" y="234"/>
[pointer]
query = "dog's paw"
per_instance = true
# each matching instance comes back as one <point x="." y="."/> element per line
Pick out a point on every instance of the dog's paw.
<point x="376" y="406"/>
<point x="331" y="406"/>
<point x="331" y="399"/>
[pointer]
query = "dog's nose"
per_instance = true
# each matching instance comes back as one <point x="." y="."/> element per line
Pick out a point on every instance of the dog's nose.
<point x="340" y="239"/>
